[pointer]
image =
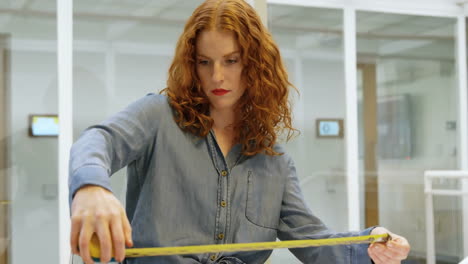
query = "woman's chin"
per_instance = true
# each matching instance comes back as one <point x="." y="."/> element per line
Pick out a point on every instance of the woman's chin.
<point x="222" y="106"/>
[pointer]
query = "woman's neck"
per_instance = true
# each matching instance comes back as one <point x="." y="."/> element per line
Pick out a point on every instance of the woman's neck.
<point x="223" y="119"/>
<point x="223" y="129"/>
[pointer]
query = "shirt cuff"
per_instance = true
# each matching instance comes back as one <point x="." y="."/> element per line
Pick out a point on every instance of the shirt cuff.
<point x="88" y="175"/>
<point x="360" y="254"/>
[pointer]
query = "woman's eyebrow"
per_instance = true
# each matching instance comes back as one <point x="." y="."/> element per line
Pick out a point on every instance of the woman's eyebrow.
<point x="227" y="55"/>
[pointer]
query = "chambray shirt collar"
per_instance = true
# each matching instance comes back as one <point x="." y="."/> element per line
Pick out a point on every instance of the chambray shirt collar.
<point x="219" y="161"/>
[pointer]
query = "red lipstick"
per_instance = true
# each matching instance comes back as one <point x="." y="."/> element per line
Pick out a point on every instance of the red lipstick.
<point x="220" y="92"/>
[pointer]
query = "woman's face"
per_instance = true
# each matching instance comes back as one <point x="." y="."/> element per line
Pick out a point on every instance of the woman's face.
<point x="219" y="68"/>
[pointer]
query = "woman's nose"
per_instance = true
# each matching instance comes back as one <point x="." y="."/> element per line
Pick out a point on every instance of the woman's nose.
<point x="218" y="73"/>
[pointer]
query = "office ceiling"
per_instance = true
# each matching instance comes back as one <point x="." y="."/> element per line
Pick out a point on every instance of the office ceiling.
<point x="294" y="27"/>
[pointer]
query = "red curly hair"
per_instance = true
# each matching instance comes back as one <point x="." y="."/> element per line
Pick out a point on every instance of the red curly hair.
<point x="265" y="111"/>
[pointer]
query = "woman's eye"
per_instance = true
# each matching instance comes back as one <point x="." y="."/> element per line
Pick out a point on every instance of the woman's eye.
<point x="231" y="61"/>
<point x="203" y="62"/>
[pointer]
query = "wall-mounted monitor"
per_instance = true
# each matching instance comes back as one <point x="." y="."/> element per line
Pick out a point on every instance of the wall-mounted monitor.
<point x="43" y="125"/>
<point x="329" y="128"/>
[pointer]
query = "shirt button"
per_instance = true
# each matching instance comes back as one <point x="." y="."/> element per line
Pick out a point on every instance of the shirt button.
<point x="220" y="236"/>
<point x="223" y="203"/>
<point x="213" y="257"/>
<point x="224" y="173"/>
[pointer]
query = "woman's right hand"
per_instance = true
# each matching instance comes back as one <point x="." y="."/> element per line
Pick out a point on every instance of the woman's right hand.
<point x="96" y="210"/>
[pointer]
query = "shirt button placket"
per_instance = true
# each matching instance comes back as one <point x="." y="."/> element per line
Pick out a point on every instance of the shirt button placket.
<point x="223" y="204"/>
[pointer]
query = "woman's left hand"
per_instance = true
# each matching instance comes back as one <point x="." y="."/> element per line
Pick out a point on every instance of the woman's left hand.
<point x="391" y="252"/>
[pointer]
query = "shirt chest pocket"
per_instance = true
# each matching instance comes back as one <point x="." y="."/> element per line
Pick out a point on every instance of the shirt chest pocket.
<point x="264" y="197"/>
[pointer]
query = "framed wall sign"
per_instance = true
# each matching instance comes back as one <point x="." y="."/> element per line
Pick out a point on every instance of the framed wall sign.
<point x="43" y="125"/>
<point x="329" y="128"/>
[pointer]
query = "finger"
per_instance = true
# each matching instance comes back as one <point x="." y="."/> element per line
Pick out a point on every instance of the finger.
<point x="85" y="236"/>
<point x="118" y="239"/>
<point x="383" y="253"/>
<point x="127" y="228"/>
<point x="378" y="249"/>
<point x="400" y="249"/>
<point x="105" y="243"/>
<point x="397" y="240"/>
<point x="399" y="243"/>
<point x="374" y="256"/>
<point x="387" y="253"/>
<point x="75" y="233"/>
<point x="379" y="258"/>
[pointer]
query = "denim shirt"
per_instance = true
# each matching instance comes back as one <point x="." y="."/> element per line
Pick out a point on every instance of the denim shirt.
<point x="181" y="190"/>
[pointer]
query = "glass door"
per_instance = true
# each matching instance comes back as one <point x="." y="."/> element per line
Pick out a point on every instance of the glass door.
<point x="408" y="124"/>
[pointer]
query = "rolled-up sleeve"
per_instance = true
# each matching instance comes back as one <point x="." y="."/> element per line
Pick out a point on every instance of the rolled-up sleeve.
<point x="298" y="222"/>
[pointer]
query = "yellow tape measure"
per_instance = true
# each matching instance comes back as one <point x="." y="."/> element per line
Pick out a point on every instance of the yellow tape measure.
<point x="166" y="251"/>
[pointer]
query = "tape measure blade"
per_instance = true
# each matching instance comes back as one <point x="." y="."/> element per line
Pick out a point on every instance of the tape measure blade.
<point x="238" y="247"/>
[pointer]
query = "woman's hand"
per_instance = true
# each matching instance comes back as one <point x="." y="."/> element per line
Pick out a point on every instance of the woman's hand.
<point x="96" y="210"/>
<point x="392" y="252"/>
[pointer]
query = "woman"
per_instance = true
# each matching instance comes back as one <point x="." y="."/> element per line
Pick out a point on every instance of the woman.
<point x="204" y="166"/>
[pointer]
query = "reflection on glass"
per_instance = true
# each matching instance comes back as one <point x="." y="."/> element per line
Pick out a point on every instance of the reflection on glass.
<point x="311" y="43"/>
<point x="408" y="95"/>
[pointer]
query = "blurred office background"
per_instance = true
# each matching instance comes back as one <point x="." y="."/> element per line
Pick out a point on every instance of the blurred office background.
<point x="408" y="113"/>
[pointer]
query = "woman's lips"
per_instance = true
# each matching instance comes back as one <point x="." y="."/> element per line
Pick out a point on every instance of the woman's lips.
<point x="220" y="92"/>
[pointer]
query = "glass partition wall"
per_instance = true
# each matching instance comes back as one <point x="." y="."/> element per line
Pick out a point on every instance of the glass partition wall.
<point x="311" y="43"/>
<point x="122" y="51"/>
<point x="408" y="102"/>
<point x="408" y="116"/>
<point x="28" y="162"/>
